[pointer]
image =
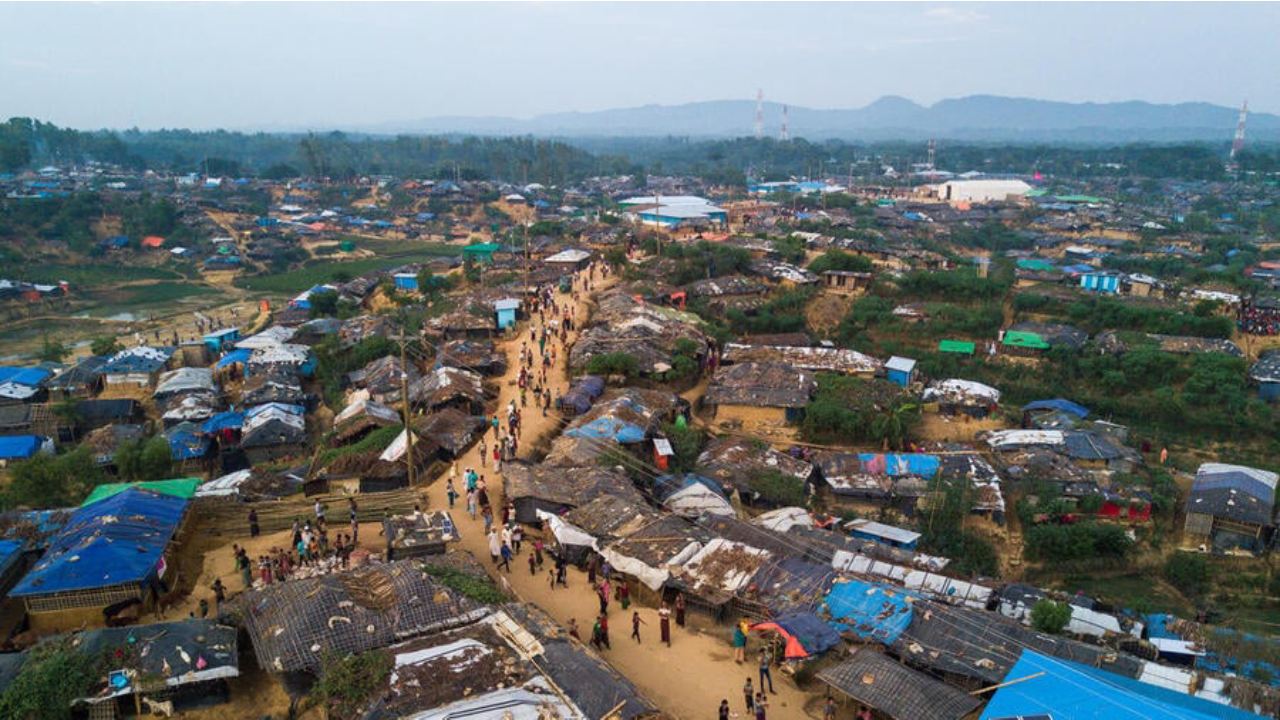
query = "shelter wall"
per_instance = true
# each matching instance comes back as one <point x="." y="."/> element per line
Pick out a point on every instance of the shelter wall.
<point x="748" y="415"/>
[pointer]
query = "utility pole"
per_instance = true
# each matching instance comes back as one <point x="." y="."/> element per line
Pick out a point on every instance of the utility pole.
<point x="526" y="262"/>
<point x="403" y="339"/>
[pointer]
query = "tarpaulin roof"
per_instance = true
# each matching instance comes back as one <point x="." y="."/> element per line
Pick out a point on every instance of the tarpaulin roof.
<point x="896" y="690"/>
<point x="179" y="488"/>
<point x="869" y="610"/>
<point x="223" y="420"/>
<point x="30" y="377"/>
<point x="806" y="634"/>
<point x="116" y="541"/>
<point x="1058" y="404"/>
<point x="894" y="464"/>
<point x="238" y="356"/>
<point x="19" y="446"/>
<point x="608" y="427"/>
<point x="1071" y="691"/>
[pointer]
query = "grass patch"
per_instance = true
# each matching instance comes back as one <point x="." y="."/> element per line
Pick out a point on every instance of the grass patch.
<point x="155" y="294"/>
<point x="104" y="272"/>
<point x="320" y="272"/>
<point x="1135" y="591"/>
<point x="480" y="589"/>
<point x="377" y="440"/>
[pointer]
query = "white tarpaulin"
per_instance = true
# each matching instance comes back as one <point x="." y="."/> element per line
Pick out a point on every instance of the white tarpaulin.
<point x="397" y="448"/>
<point x="698" y="499"/>
<point x="783" y="519"/>
<point x="653" y="578"/>
<point x="567" y="533"/>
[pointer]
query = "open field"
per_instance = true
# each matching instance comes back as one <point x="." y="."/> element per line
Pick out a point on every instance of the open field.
<point x="317" y="273"/>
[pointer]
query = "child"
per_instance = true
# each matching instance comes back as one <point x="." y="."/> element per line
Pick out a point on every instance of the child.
<point x="453" y="494"/>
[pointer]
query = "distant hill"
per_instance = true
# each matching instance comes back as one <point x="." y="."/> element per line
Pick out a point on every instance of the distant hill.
<point x="978" y="117"/>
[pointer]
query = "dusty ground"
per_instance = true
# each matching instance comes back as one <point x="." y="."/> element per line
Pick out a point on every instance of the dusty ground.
<point x="936" y="427"/>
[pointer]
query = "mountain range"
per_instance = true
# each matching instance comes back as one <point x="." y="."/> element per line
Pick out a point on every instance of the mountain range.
<point x="977" y="117"/>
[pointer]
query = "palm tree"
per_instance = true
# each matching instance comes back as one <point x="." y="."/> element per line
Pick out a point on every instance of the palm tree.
<point x="891" y="427"/>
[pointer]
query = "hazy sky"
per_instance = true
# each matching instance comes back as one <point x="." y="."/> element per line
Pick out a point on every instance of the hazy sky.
<point x="247" y="65"/>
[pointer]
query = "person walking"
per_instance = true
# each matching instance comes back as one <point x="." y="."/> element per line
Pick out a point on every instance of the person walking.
<point x="724" y="710"/>
<point x="319" y="511"/>
<point x="487" y="513"/>
<point x="389" y="532"/>
<point x="253" y="523"/>
<point x="739" y="644"/>
<point x="242" y="562"/>
<point x="604" y="631"/>
<point x="573" y="629"/>
<point x="680" y="609"/>
<point x="636" y="622"/>
<point x="604" y="604"/>
<point x="749" y="694"/>
<point x="762" y="706"/>
<point x="354" y="513"/>
<point x="495" y="545"/>
<point x="624" y="595"/>
<point x="766" y="659"/>
<point x="471" y="502"/>
<point x="597" y="636"/>
<point x="219" y="595"/>
<point x="829" y="709"/>
<point x="664" y="623"/>
<point x="450" y="492"/>
<point x="533" y="566"/>
<point x="506" y="558"/>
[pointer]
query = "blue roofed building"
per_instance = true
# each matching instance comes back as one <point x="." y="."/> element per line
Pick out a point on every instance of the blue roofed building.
<point x="1104" y="281"/>
<point x="21" y="447"/>
<point x="108" y="552"/>
<point x="1039" y="686"/>
<point x="221" y="339"/>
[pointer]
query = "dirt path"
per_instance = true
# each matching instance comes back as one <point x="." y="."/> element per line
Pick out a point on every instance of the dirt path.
<point x="687" y="680"/>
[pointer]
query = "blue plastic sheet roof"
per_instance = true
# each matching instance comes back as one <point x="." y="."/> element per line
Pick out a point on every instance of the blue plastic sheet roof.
<point x="19" y="446"/>
<point x="1155" y="624"/>
<point x="116" y="541"/>
<point x="10" y="552"/>
<point x="1241" y="482"/>
<point x="239" y="356"/>
<point x="1071" y="691"/>
<point x="1062" y="404"/>
<point x="187" y="445"/>
<point x="31" y="377"/>
<point x="223" y="420"/>
<point x="905" y="463"/>
<point x="607" y="427"/>
<point x="869" y="610"/>
<point x="812" y="631"/>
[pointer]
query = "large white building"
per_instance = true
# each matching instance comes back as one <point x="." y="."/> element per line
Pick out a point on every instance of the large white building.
<point x="979" y="190"/>
<point x="672" y="211"/>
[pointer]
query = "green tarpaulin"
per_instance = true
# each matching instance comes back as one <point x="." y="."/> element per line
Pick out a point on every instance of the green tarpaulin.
<point x="182" y="487"/>
<point x="956" y="346"/>
<point x="1019" y="338"/>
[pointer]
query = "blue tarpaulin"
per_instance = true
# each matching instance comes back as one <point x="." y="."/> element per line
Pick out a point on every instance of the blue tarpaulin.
<point x="187" y="445"/>
<point x="223" y="420"/>
<point x="1064" y="405"/>
<point x="806" y="634"/>
<point x="19" y="446"/>
<point x="113" y="542"/>
<point x="611" y="428"/>
<point x="592" y="385"/>
<point x="1066" y="690"/>
<point x="31" y="377"/>
<point x="10" y="554"/>
<point x="869" y="610"/>
<point x="901" y="464"/>
<point x="235" y="357"/>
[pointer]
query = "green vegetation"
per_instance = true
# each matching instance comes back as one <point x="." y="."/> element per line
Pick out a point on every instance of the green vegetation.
<point x="617" y="363"/>
<point x="321" y="272"/>
<point x="334" y="361"/>
<point x="1188" y="572"/>
<point x="480" y="588"/>
<point x="687" y="444"/>
<point x="52" y="350"/>
<point x="106" y="345"/>
<point x="850" y="410"/>
<point x="148" y="459"/>
<point x="56" y="674"/>
<point x="944" y="534"/>
<point x="347" y="681"/>
<point x="1095" y="314"/>
<point x="840" y="260"/>
<point x="1050" y="617"/>
<point x="778" y="488"/>
<point x="953" y="285"/>
<point x="49" y="481"/>
<point x="1079" y="541"/>
<point x="373" y="442"/>
<point x="783" y="313"/>
<point x="701" y="259"/>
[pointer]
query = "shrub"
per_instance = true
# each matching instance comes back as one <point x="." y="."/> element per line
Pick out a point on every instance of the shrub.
<point x="480" y="589"/>
<point x="1187" y="572"/>
<point x="618" y="363"/>
<point x="779" y="488"/>
<point x="347" y="681"/>
<point x="55" y="674"/>
<point x="1050" y="617"/>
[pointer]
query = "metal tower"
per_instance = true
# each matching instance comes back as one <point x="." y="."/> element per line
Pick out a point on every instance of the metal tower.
<point x="1237" y="143"/>
<point x="759" y="114"/>
<point x="784" y="135"/>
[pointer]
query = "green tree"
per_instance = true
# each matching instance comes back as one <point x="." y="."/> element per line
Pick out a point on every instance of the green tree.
<point x="144" y="460"/>
<point x="347" y="681"/>
<point x="1188" y="572"/>
<point x="1050" y="617"/>
<point x="48" y="481"/>
<point x="105" y="345"/>
<point x="56" y="674"/>
<point x="324" y="304"/>
<point x="52" y="350"/>
<point x="840" y="260"/>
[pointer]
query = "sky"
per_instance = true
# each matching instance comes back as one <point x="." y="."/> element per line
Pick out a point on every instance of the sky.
<point x="322" y="65"/>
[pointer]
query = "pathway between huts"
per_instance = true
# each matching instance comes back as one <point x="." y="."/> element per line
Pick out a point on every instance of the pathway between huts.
<point x="687" y="680"/>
